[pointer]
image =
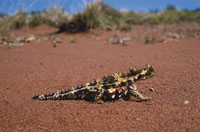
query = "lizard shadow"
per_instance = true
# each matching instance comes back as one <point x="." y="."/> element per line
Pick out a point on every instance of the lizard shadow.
<point x="92" y="100"/>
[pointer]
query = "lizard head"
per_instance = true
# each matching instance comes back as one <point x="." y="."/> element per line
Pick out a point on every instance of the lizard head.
<point x="142" y="73"/>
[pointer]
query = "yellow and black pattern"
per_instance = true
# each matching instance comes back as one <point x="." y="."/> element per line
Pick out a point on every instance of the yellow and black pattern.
<point x="111" y="87"/>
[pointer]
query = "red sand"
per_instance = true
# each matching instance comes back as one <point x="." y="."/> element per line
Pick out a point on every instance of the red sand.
<point x="39" y="68"/>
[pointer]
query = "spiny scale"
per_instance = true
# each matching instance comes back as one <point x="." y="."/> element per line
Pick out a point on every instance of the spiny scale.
<point x="108" y="88"/>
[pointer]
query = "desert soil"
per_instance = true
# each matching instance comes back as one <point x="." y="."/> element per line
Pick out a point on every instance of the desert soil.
<point x="38" y="68"/>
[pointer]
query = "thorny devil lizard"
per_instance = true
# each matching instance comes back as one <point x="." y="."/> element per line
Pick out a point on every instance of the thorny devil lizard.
<point x="108" y="88"/>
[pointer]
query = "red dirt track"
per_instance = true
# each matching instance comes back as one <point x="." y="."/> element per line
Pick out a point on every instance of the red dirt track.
<point x="39" y="68"/>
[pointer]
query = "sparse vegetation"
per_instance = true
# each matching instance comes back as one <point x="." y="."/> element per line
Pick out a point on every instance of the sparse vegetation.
<point x="54" y="17"/>
<point x="152" y="40"/>
<point x="95" y="15"/>
<point x="12" y="22"/>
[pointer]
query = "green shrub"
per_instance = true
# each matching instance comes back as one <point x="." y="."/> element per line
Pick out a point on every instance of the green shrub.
<point x="18" y="20"/>
<point x="54" y="16"/>
<point x="152" y="18"/>
<point x="110" y="15"/>
<point x="82" y="21"/>
<point x="35" y="19"/>
<point x="96" y="14"/>
<point x="134" y="18"/>
<point x="12" y="22"/>
<point x="168" y="17"/>
<point x="170" y="8"/>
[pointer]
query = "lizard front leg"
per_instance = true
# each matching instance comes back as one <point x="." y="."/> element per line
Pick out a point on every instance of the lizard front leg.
<point x="132" y="90"/>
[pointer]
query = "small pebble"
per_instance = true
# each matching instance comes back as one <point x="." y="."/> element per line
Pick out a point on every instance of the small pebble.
<point x="151" y="89"/>
<point x="54" y="45"/>
<point x="186" y="102"/>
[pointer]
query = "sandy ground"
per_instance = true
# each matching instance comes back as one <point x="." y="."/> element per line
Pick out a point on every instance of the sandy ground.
<point x="39" y="68"/>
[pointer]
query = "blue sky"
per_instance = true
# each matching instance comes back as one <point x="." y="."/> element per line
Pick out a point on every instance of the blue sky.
<point x="72" y="6"/>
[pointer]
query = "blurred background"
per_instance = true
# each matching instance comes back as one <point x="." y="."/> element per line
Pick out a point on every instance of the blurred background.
<point x="75" y="16"/>
<point x="74" y="6"/>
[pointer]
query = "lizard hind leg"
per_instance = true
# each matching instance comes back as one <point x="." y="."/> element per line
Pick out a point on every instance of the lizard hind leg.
<point x="98" y="97"/>
<point x="133" y="91"/>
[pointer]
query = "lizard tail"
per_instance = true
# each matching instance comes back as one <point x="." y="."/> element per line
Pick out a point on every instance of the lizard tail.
<point x="68" y="94"/>
<point x="75" y="93"/>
